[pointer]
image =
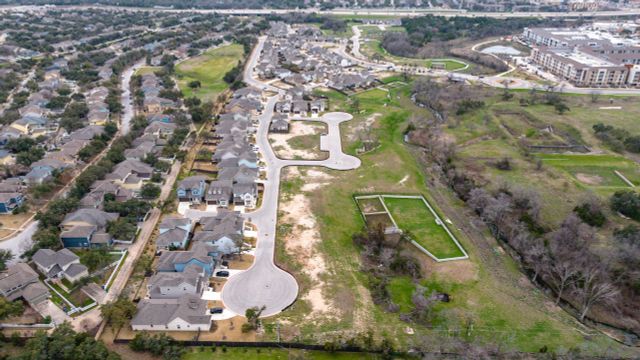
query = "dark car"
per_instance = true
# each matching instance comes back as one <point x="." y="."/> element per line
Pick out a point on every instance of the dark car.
<point x="215" y="311"/>
<point x="222" y="274"/>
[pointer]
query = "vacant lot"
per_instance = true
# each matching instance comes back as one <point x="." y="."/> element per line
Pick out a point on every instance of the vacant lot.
<point x="487" y="291"/>
<point x="302" y="141"/>
<point x="413" y="216"/>
<point x="208" y="68"/>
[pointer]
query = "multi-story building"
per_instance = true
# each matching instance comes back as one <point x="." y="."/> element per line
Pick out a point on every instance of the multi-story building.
<point x="586" y="57"/>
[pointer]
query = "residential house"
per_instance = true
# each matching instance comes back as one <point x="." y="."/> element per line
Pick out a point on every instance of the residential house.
<point x="9" y="201"/>
<point x="130" y="174"/>
<point x="279" y="124"/>
<point x="219" y="193"/>
<point x="223" y="231"/>
<point x="61" y="264"/>
<point x="172" y="285"/>
<point x="21" y="281"/>
<point x="192" y="189"/>
<point x="174" y="233"/>
<point x="187" y="313"/>
<point x="200" y="255"/>
<point x="160" y="129"/>
<point x="86" y="228"/>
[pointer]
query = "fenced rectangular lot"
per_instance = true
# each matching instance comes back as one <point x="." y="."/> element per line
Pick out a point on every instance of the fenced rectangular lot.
<point x="414" y="215"/>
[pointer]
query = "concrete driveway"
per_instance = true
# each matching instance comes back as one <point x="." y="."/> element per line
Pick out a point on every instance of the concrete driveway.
<point x="265" y="284"/>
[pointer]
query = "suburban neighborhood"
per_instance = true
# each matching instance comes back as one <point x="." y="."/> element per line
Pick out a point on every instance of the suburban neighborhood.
<point x="378" y="180"/>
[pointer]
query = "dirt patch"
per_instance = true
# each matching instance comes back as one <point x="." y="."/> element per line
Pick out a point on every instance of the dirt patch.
<point x="315" y="179"/>
<point x="302" y="141"/>
<point x="460" y="271"/>
<point x="302" y="242"/>
<point x="363" y="126"/>
<point x="589" y="179"/>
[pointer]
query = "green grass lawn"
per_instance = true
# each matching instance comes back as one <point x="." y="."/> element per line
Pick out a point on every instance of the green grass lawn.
<point x="209" y="68"/>
<point x="594" y="171"/>
<point x="269" y="354"/>
<point x="147" y="70"/>
<point x="412" y="215"/>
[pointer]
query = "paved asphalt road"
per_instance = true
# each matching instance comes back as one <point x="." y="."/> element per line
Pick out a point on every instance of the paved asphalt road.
<point x="410" y="12"/>
<point x="264" y="284"/>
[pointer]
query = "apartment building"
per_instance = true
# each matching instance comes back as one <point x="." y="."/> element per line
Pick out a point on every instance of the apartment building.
<point x="586" y="57"/>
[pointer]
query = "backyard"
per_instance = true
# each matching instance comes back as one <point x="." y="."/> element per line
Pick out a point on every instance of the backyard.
<point x="208" y="68"/>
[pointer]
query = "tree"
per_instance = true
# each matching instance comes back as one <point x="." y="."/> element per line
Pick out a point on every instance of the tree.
<point x="150" y="191"/>
<point x="253" y="317"/>
<point x="627" y="203"/>
<point x="121" y="229"/>
<point x="595" y="286"/>
<point x="118" y="312"/>
<point x="591" y="213"/>
<point x="96" y="259"/>
<point x="65" y="344"/>
<point x="5" y="256"/>
<point x="10" y="308"/>
<point x="561" y="107"/>
<point x="195" y="84"/>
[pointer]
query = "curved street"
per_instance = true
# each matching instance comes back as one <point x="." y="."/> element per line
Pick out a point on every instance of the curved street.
<point x="264" y="283"/>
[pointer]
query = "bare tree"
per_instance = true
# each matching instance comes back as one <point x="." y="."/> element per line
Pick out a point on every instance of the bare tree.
<point x="595" y="286"/>
<point x="536" y="256"/>
<point x="564" y="271"/>
<point x="595" y="95"/>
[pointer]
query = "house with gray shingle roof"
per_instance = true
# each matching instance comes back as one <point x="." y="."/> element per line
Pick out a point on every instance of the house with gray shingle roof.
<point x="21" y="281"/>
<point x="174" y="233"/>
<point x="172" y="285"/>
<point x="187" y="313"/>
<point x="60" y="264"/>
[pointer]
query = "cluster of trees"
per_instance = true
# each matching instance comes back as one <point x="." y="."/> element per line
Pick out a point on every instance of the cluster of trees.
<point x="617" y="139"/>
<point x="382" y="259"/>
<point x="173" y="145"/>
<point x="74" y="116"/>
<point x="127" y="59"/>
<point x="27" y="150"/>
<point x="65" y="344"/>
<point x="158" y="345"/>
<point x="233" y="77"/>
<point x="98" y="143"/>
<point x="10" y="308"/>
<point x="424" y="29"/>
<point x="8" y="82"/>
<point x="253" y="318"/>
<point x="468" y="105"/>
<point x="84" y="68"/>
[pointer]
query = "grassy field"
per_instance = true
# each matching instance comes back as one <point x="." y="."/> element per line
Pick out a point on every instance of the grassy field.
<point x="209" y="68"/>
<point x="490" y="297"/>
<point x="269" y="354"/>
<point x="412" y="215"/>
<point x="147" y="70"/>
<point x="596" y="171"/>
<point x="372" y="45"/>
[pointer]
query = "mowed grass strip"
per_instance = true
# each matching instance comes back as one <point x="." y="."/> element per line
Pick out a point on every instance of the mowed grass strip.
<point x="411" y="214"/>
<point x="601" y="168"/>
<point x="208" y="68"/>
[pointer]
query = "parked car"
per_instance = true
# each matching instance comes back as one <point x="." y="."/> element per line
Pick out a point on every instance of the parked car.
<point x="222" y="274"/>
<point x="216" y="310"/>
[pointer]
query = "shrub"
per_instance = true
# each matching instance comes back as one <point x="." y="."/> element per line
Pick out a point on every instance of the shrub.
<point x="627" y="203"/>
